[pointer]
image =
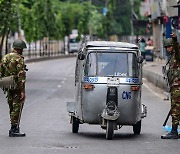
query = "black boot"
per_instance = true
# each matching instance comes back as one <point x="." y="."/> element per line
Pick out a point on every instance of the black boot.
<point x="14" y="132"/>
<point x="171" y="135"/>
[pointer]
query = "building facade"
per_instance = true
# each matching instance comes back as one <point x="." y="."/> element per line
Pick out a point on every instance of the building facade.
<point x="162" y="15"/>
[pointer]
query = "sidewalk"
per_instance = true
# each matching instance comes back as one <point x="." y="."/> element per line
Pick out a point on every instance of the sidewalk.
<point x="152" y="71"/>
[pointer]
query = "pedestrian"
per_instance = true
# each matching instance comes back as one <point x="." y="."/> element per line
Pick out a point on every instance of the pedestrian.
<point x="13" y="64"/>
<point x="150" y="42"/>
<point x="173" y="74"/>
<point x="142" y="45"/>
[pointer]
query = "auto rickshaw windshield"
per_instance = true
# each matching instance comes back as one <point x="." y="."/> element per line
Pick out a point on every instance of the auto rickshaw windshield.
<point x="112" y="64"/>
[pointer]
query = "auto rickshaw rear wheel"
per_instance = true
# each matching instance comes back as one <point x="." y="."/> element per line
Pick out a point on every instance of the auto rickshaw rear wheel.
<point x="110" y="130"/>
<point x="75" y="124"/>
<point x="137" y="128"/>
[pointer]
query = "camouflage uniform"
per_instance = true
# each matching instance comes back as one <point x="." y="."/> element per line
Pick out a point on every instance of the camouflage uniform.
<point x="174" y="81"/>
<point x="173" y="74"/>
<point x="13" y="64"/>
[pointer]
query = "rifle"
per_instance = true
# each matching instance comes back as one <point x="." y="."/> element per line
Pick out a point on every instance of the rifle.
<point x="164" y="71"/>
<point x="165" y="122"/>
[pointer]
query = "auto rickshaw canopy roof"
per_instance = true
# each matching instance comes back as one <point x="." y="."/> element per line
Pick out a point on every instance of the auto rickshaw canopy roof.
<point x="111" y="44"/>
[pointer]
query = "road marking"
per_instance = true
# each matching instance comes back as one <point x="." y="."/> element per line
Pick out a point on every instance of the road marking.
<point x="62" y="82"/>
<point x="59" y="86"/>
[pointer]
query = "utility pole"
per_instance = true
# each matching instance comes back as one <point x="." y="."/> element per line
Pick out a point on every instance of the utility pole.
<point x="19" y="21"/>
<point x="90" y="24"/>
<point x="131" y="20"/>
<point x="105" y="14"/>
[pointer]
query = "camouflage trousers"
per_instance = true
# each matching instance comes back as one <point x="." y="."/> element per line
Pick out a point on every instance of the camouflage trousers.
<point x="15" y="106"/>
<point x="175" y="105"/>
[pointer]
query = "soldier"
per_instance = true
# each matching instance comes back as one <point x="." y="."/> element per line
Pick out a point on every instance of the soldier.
<point x="13" y="64"/>
<point x="173" y="74"/>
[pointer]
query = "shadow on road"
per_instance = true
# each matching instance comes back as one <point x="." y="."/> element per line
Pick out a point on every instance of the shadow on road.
<point x="97" y="135"/>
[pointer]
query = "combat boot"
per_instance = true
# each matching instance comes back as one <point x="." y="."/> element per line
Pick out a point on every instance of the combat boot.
<point x="15" y="132"/>
<point x="171" y="135"/>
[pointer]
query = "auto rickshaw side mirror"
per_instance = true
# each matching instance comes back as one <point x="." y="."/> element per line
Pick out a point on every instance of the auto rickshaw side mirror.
<point x="81" y="56"/>
<point x="140" y="59"/>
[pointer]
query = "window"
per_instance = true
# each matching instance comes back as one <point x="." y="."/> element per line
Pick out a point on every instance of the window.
<point x="90" y="68"/>
<point x="72" y="40"/>
<point x="111" y="64"/>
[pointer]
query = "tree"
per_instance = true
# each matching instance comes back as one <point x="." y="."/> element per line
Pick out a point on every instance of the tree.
<point x="39" y="20"/>
<point x="8" y="18"/>
<point x="75" y="16"/>
<point x="56" y="18"/>
<point x="96" y="21"/>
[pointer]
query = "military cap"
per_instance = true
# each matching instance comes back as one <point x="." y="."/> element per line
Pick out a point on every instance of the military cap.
<point x="168" y="42"/>
<point x="19" y="44"/>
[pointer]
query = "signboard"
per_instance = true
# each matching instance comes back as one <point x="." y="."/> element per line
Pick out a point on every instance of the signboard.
<point x="105" y="10"/>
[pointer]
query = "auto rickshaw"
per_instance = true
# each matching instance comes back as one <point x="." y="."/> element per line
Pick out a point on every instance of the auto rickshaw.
<point x="108" y="79"/>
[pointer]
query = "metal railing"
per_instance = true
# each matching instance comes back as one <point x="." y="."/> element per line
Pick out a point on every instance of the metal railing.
<point x="44" y="49"/>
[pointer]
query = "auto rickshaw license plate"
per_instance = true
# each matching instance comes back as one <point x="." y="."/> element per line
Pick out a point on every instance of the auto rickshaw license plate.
<point x="112" y="81"/>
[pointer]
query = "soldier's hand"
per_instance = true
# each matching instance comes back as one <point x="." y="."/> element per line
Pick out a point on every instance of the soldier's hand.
<point x="23" y="96"/>
<point x="174" y="36"/>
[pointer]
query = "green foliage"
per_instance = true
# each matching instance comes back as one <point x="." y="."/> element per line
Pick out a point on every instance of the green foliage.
<point x="38" y="20"/>
<point x="96" y="23"/>
<point x="137" y="4"/>
<point x="120" y="16"/>
<point x="56" y="18"/>
<point x="75" y="16"/>
<point x="8" y="16"/>
<point x="53" y="19"/>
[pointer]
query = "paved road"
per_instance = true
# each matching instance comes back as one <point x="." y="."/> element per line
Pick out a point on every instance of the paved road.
<point x="50" y="84"/>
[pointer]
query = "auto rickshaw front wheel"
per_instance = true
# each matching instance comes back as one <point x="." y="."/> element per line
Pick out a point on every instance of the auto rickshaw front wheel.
<point x="110" y="130"/>
<point x="75" y="124"/>
<point x="137" y="128"/>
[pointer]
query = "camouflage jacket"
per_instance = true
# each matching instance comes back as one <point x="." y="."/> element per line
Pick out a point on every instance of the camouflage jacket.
<point x="13" y="64"/>
<point x="174" y="65"/>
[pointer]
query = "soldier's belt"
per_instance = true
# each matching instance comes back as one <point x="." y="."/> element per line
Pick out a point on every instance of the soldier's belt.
<point x="7" y="82"/>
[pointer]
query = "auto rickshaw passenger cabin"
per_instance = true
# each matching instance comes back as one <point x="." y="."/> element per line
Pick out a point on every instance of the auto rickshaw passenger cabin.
<point x="108" y="79"/>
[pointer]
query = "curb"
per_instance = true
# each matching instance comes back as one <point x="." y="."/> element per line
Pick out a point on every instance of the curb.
<point x="158" y="81"/>
<point x="155" y="79"/>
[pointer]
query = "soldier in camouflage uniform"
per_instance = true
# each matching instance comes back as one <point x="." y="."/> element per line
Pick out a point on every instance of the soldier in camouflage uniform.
<point x="173" y="74"/>
<point x="13" y="64"/>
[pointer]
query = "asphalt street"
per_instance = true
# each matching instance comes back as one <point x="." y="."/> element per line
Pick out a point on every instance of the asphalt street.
<point x="50" y="84"/>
